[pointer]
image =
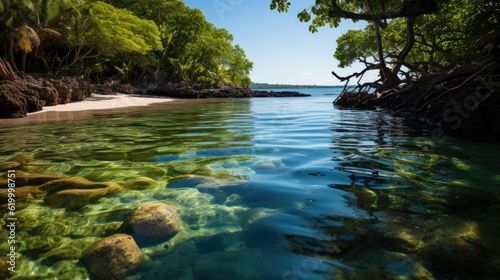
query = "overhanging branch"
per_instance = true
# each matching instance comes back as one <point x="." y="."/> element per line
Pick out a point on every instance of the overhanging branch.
<point x="410" y="8"/>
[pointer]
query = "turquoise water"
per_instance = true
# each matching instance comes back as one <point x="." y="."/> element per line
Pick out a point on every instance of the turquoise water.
<point x="285" y="188"/>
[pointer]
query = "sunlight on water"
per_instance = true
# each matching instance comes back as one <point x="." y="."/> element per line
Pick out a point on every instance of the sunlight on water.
<point x="265" y="188"/>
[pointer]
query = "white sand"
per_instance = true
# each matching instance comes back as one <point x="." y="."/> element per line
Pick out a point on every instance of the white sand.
<point x="103" y="102"/>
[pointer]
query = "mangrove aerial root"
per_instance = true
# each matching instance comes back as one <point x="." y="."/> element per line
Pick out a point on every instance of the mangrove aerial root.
<point x="466" y="97"/>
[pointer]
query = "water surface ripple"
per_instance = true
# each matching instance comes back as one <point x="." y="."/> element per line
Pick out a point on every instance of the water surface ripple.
<point x="286" y="188"/>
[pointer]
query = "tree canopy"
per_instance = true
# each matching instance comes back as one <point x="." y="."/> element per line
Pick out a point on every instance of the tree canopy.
<point x="438" y="60"/>
<point x="152" y="39"/>
<point x="418" y="36"/>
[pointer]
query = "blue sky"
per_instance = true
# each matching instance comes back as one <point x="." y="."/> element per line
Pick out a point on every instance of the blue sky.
<point x="281" y="47"/>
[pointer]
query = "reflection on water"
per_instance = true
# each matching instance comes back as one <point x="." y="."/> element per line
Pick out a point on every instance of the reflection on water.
<point x="266" y="189"/>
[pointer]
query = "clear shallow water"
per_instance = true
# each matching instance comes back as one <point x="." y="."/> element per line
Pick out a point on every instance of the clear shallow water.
<point x="302" y="191"/>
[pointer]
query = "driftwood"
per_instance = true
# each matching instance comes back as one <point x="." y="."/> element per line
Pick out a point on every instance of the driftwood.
<point x="410" y="8"/>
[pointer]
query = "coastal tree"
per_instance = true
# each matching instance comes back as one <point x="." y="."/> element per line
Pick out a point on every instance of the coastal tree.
<point x="194" y="50"/>
<point x="402" y="38"/>
<point x="441" y="40"/>
<point x="239" y="67"/>
<point x="25" y="24"/>
<point x="377" y="13"/>
<point x="100" y="33"/>
<point x="156" y="39"/>
<point x="430" y="54"/>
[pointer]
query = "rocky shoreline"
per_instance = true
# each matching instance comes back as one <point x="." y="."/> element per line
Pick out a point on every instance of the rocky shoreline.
<point x="30" y="93"/>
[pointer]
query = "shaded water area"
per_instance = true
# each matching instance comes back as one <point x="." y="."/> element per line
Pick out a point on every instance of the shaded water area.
<point x="287" y="188"/>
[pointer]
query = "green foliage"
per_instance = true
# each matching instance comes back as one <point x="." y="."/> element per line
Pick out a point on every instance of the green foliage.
<point x="354" y="45"/>
<point x="161" y="38"/>
<point x="442" y="39"/>
<point x="239" y="67"/>
<point x="195" y="51"/>
<point x="115" y="31"/>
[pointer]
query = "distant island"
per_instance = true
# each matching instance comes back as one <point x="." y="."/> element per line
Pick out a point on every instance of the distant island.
<point x="282" y="86"/>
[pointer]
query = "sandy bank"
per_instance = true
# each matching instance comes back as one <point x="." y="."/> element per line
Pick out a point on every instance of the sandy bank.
<point x="105" y="102"/>
<point x="96" y="104"/>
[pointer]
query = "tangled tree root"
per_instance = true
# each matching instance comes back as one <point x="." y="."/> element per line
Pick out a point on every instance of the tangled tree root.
<point x="6" y="71"/>
<point x="463" y="100"/>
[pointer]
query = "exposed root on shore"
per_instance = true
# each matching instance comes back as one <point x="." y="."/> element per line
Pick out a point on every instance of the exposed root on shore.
<point x="6" y="71"/>
<point x="463" y="100"/>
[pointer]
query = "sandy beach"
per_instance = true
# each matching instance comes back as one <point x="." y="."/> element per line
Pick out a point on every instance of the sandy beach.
<point x="105" y="102"/>
<point x="96" y="104"/>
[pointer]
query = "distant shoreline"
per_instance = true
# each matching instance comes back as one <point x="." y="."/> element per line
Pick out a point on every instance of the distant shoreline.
<point x="32" y="93"/>
<point x="257" y="86"/>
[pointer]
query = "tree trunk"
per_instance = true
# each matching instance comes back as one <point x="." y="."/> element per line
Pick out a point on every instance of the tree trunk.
<point x="23" y="62"/>
<point x="410" y="40"/>
<point x="11" y="54"/>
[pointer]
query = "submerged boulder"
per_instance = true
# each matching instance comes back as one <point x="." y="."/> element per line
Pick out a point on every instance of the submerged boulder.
<point x="209" y="185"/>
<point x="114" y="257"/>
<point x="73" y="193"/>
<point x="447" y="243"/>
<point x="8" y="165"/>
<point x="21" y="194"/>
<point x="27" y="179"/>
<point x="155" y="219"/>
<point x="140" y="183"/>
<point x="462" y="198"/>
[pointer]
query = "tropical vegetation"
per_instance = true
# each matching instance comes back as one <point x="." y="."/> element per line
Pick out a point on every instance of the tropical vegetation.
<point x="436" y="60"/>
<point x="405" y="38"/>
<point x="152" y="40"/>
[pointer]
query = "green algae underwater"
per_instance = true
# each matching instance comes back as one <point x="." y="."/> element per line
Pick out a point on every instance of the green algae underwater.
<point x="264" y="188"/>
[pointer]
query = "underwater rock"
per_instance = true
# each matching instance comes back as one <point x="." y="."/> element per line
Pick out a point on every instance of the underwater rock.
<point x="256" y="214"/>
<point x="233" y="200"/>
<point x="93" y="228"/>
<point x="114" y="257"/>
<point x="68" y="249"/>
<point x="41" y="243"/>
<point x="462" y="198"/>
<point x="73" y="193"/>
<point x="141" y="183"/>
<point x="214" y="186"/>
<point x="200" y="216"/>
<point x="22" y="193"/>
<point x="8" y="165"/>
<point x="187" y="181"/>
<point x="25" y="179"/>
<point x="22" y="159"/>
<point x="74" y="183"/>
<point x="4" y="268"/>
<point x="155" y="219"/>
<point x="457" y="244"/>
<point x="77" y="198"/>
<point x="208" y="185"/>
<point x="226" y="265"/>
<point x="372" y="262"/>
<point x="268" y="165"/>
<point x="265" y="168"/>
<point x="204" y="171"/>
<point x="66" y="270"/>
<point x="447" y="243"/>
